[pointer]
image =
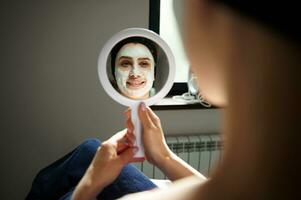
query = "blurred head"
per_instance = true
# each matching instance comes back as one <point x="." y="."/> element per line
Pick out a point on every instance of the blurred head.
<point x="205" y="43"/>
<point x="223" y="36"/>
<point x="134" y="70"/>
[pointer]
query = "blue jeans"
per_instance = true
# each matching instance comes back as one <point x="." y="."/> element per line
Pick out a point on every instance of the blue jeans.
<point x="58" y="180"/>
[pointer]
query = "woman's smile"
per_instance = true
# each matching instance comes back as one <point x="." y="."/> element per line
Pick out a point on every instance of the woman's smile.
<point x="135" y="84"/>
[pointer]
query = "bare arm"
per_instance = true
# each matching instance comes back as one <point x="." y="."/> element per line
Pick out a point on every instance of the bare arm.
<point x="175" y="168"/>
<point x="189" y="188"/>
<point x="157" y="151"/>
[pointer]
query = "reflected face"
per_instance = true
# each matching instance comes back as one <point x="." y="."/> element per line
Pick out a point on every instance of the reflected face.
<point x="134" y="70"/>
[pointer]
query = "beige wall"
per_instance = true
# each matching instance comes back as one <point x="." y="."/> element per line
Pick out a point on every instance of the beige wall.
<point x="51" y="98"/>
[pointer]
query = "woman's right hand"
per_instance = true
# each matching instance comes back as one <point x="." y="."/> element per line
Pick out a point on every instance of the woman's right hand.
<point x="155" y="147"/>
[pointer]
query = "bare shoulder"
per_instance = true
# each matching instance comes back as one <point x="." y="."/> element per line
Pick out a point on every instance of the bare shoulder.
<point x="187" y="188"/>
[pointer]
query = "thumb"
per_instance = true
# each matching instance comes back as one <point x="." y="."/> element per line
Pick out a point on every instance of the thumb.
<point x="144" y="118"/>
<point x="127" y="155"/>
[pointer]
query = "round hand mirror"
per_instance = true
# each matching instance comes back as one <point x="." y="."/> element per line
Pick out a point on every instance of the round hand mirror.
<point x="136" y="65"/>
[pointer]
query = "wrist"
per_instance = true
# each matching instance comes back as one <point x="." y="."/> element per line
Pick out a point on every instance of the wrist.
<point x="86" y="189"/>
<point x="94" y="179"/>
<point x="164" y="158"/>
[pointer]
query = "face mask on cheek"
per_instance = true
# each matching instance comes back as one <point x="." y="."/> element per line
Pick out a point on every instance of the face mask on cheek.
<point x="121" y="77"/>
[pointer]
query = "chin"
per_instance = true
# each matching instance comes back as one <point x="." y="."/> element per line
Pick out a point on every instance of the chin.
<point x="217" y="101"/>
<point x="138" y="98"/>
<point x="214" y="96"/>
<point x="143" y="97"/>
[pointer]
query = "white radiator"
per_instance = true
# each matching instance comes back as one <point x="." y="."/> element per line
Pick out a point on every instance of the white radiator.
<point x="203" y="152"/>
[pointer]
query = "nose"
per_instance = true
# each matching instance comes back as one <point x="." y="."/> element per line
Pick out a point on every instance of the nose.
<point x="135" y="71"/>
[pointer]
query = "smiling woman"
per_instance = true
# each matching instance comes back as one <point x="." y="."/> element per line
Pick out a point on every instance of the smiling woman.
<point x="133" y="63"/>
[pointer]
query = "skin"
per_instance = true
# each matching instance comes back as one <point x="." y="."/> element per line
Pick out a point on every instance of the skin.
<point x="248" y="78"/>
<point x="111" y="157"/>
<point x="134" y="71"/>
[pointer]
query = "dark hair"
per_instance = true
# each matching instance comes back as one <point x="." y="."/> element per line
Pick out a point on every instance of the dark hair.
<point x="281" y="16"/>
<point x="141" y="40"/>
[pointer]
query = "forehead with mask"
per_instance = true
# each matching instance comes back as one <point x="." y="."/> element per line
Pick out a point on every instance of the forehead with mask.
<point x="134" y="70"/>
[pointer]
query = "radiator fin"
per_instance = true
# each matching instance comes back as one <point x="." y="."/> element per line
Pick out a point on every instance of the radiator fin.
<point x="202" y="152"/>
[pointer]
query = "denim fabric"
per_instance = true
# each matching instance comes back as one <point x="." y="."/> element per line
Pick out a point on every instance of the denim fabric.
<point x="58" y="180"/>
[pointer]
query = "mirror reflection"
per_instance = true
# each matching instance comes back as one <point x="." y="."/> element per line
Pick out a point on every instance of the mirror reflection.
<point x="133" y="68"/>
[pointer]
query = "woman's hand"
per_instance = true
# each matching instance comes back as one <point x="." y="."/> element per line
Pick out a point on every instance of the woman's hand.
<point x="106" y="165"/>
<point x="112" y="156"/>
<point x="155" y="147"/>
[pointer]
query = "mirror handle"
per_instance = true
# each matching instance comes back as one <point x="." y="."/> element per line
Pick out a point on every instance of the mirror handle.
<point x="137" y="130"/>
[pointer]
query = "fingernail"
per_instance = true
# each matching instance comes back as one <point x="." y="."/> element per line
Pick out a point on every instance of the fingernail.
<point x="130" y="130"/>
<point x="126" y="116"/>
<point x="143" y="106"/>
<point x="126" y="110"/>
<point x="135" y="149"/>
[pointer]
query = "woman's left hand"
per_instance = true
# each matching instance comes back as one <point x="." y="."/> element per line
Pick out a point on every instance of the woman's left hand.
<point x="112" y="156"/>
<point x="107" y="164"/>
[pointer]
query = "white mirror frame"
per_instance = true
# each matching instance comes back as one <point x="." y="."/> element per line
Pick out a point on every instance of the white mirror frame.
<point x="105" y="53"/>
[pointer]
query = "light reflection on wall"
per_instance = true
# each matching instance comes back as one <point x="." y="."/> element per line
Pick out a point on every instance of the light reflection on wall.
<point x="169" y="31"/>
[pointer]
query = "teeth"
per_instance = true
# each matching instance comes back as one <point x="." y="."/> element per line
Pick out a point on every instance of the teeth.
<point x="135" y="83"/>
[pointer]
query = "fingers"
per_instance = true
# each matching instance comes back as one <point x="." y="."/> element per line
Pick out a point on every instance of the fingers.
<point x="131" y="138"/>
<point x="155" y="119"/>
<point x="118" y="136"/>
<point x="127" y="141"/>
<point x="129" y="125"/>
<point x="122" y="145"/>
<point x="145" y="119"/>
<point x="151" y="117"/>
<point x="127" y="113"/>
<point x="130" y="128"/>
<point x="126" y="137"/>
<point x="127" y="156"/>
<point x="122" y="140"/>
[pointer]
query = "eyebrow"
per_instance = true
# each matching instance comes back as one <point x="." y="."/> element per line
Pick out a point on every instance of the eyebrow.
<point x="146" y="58"/>
<point x="125" y="57"/>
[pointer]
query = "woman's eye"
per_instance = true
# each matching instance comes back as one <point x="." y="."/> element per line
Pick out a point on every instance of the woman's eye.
<point x="125" y="64"/>
<point x="144" y="64"/>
